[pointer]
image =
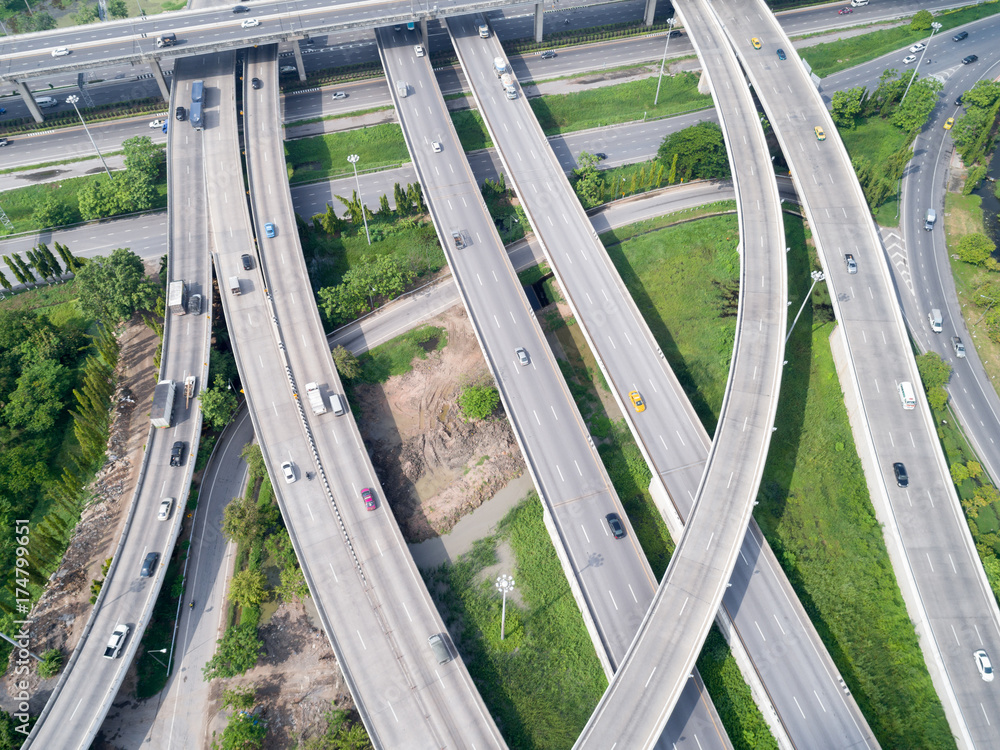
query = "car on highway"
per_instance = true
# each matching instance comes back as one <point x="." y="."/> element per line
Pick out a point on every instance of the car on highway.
<point x="852" y="265"/>
<point x="60" y="51"/>
<point x="959" y="102"/>
<point x="369" y="498"/>
<point x="419" y="50"/>
<point x="917" y="47"/>
<point x="114" y="648"/>
<point x="250" y="23"/>
<point x="156" y="124"/>
<point x="845" y="11"/>
<point x="397" y="27"/>
<point x="637" y="402"/>
<point x="958" y="346"/>
<point x="960" y="36"/>
<point x="902" y="478"/>
<point x="616" y="525"/>
<point x="255" y="83"/>
<point x="240" y="9"/>
<point x="781" y="54"/>
<point x="969" y="59"/>
<point x="548" y="54"/>
<point x="339" y="95"/>
<point x="181" y="114"/>
<point x="3" y="142"/>
<point x="909" y="59"/>
<point x="288" y="471"/>
<point x="287" y="69"/>
<point x="984" y="665"/>
<point x="755" y="42"/>
<point x="436" y="147"/>
<point x="269" y="229"/>
<point x="601" y="155"/>
<point x="166" y="505"/>
<point x="820" y="133"/>
<point x="149" y="564"/>
<point x="246" y="261"/>
<point x="177" y="454"/>
<point x="948" y="123"/>
<point x="194" y="304"/>
<point x="522" y="356"/>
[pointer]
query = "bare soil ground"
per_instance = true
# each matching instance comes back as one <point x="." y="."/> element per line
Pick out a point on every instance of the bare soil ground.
<point x="434" y="466"/>
<point x="60" y="615"/>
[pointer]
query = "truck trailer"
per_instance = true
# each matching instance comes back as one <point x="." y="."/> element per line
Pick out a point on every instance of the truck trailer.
<point x="509" y="89"/>
<point x="177" y="297"/>
<point x="162" y="413"/>
<point x="500" y="66"/>
<point x="316" y="400"/>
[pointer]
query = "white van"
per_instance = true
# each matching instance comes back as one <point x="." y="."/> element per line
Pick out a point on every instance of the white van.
<point x="906" y="395"/>
<point x="934" y="318"/>
<point x="337" y="402"/>
<point x="46" y="101"/>
<point x="858" y="3"/>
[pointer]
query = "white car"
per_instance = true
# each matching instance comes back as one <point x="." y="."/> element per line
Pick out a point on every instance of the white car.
<point x="339" y="95"/>
<point x="165" y="506"/>
<point x="288" y="471"/>
<point x="436" y="147"/>
<point x="60" y="51"/>
<point x="909" y="59"/>
<point x="983" y="665"/>
<point x="250" y="23"/>
<point x="156" y="124"/>
<point x="917" y="47"/>
<point x="419" y="49"/>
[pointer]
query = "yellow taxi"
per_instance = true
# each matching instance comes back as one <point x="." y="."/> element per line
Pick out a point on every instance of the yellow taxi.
<point x="755" y="42"/>
<point x="820" y="134"/>
<point x="948" y="123"/>
<point x="637" y="401"/>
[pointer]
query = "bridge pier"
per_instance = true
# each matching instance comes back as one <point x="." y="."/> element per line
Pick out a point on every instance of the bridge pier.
<point x="300" y="67"/>
<point x="29" y="99"/>
<point x="423" y="34"/>
<point x="650" y="12"/>
<point x="161" y="80"/>
<point x="539" y="11"/>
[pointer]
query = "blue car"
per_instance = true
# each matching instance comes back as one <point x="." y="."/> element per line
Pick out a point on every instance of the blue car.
<point x="781" y="54"/>
<point x="269" y="229"/>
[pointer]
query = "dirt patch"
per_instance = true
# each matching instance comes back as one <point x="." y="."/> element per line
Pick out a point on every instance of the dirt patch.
<point x="58" y="618"/>
<point x="434" y="466"/>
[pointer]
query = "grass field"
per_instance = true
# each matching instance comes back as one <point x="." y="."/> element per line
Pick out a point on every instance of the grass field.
<point x="832" y="57"/>
<point x="471" y="130"/>
<point x="543" y="681"/>
<point x="396" y="357"/>
<point x="606" y="105"/>
<point x="325" y="156"/>
<point x="875" y="138"/>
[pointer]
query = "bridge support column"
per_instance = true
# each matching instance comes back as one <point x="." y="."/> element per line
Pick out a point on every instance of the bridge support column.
<point x="299" y="65"/>
<point x="423" y="34"/>
<point x="539" y="12"/>
<point x="650" y="12"/>
<point x="29" y="99"/>
<point x="161" y="80"/>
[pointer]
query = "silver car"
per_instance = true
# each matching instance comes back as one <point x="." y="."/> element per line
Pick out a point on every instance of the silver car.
<point x="522" y="356"/>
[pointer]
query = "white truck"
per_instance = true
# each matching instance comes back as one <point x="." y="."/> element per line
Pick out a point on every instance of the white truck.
<point x="162" y="413"/>
<point x="484" y="31"/>
<point x="177" y="298"/>
<point x="500" y="66"/>
<point x="934" y="318"/>
<point x="316" y="400"/>
<point x="509" y="89"/>
<point x="116" y="641"/>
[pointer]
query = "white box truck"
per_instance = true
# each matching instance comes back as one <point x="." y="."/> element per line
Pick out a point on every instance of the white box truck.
<point x="316" y="400"/>
<point x="509" y="89"/>
<point x="177" y="298"/>
<point x="934" y="318"/>
<point x="162" y="413"/>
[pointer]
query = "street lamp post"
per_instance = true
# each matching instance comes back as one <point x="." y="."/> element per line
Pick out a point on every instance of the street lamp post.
<point x="817" y="276"/>
<point x="992" y="302"/>
<point x="158" y="651"/>
<point x="73" y="99"/>
<point x="353" y="158"/>
<point x="663" y="64"/>
<point x="504" y="584"/>
<point x="934" y="27"/>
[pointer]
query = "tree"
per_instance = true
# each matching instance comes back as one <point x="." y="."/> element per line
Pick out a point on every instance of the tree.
<point x="38" y="400"/>
<point x="245" y="731"/>
<point x="347" y="364"/>
<point x="218" y="403"/>
<point x="975" y="469"/>
<point x="847" y="105"/>
<point x="403" y="205"/>
<point x="243" y="520"/>
<point x="86" y="14"/>
<point x="142" y="155"/>
<point x="383" y="206"/>
<point x="252" y="454"/>
<point x="248" y="588"/>
<point x="587" y="180"/>
<point x="53" y="263"/>
<point x="71" y="262"/>
<point x="934" y="371"/>
<point x="339" y="734"/>
<point x="478" y="401"/>
<point x="41" y="21"/>
<point x="50" y="664"/>
<point x="4" y="281"/>
<point x="913" y="111"/>
<point x="117" y="9"/>
<point x="25" y="270"/>
<point x="975" y="248"/>
<point x="921" y="20"/>
<point x="112" y="289"/>
<point x="238" y="650"/>
<point x="700" y="151"/>
<point x="53" y="212"/>
<point x="240" y="698"/>
<point x="958" y="472"/>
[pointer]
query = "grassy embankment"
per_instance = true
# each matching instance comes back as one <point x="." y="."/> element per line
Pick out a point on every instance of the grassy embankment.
<point x="877" y="139"/>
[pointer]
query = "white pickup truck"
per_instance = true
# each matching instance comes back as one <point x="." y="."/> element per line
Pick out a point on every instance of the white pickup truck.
<point x="116" y="641"/>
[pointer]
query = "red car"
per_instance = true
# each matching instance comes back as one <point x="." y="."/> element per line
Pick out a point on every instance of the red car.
<point x="844" y="11"/>
<point x="366" y="495"/>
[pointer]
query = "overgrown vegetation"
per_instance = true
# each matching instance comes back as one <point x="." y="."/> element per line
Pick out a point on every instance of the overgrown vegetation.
<point x="973" y="132"/>
<point x="508" y="216"/>
<point x="396" y="357"/>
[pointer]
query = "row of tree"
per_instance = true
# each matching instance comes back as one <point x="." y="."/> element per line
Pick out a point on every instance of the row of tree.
<point x="134" y="189"/>
<point x="40" y="261"/>
<point x="408" y="200"/>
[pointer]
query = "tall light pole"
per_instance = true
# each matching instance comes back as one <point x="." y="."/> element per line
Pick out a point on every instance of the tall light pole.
<point x="817" y="276"/>
<point x="934" y="27"/>
<point x="992" y="302"/>
<point x="670" y="26"/>
<point x="504" y="584"/>
<point x="353" y="158"/>
<point x="73" y="99"/>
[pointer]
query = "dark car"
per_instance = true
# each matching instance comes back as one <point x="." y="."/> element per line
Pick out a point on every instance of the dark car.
<point x="177" y="454"/>
<point x="616" y="525"/>
<point x="969" y="59"/>
<point x="181" y="114"/>
<point x="255" y="83"/>
<point x="247" y="263"/>
<point x="960" y="36"/>
<point x="781" y="54"/>
<point x="548" y="54"/>
<point x="601" y="155"/>
<point x="675" y="33"/>
<point x="149" y="564"/>
<point x="902" y="479"/>
<point x="958" y="102"/>
<point x="240" y="9"/>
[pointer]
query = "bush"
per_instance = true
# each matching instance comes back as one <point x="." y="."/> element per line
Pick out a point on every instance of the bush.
<point x="50" y="664"/>
<point x="976" y="175"/>
<point x="975" y="248"/>
<point x="478" y="401"/>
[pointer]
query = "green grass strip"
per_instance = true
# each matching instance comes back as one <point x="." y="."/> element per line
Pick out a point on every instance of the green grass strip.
<point x="396" y="357"/>
<point x="325" y="156"/>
